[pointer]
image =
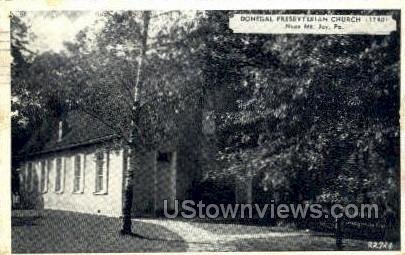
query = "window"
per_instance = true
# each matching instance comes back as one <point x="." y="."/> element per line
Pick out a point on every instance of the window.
<point x="164" y="157"/>
<point x="22" y="180"/>
<point x="101" y="173"/>
<point x="59" y="176"/>
<point x="49" y="165"/>
<point x="78" y="179"/>
<point x="30" y="180"/>
<point x="44" y="177"/>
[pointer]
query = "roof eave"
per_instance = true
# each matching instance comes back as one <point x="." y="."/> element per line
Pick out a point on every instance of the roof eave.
<point x="70" y="146"/>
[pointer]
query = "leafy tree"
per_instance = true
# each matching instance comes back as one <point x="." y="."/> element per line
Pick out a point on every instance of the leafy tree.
<point x="21" y="108"/>
<point x="25" y="113"/>
<point x="312" y="115"/>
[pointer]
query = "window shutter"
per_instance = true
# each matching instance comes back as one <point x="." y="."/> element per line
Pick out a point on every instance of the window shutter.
<point x="101" y="173"/>
<point x="46" y="177"/>
<point x="106" y="169"/>
<point x="48" y="169"/>
<point x="82" y="170"/>
<point x="38" y="174"/>
<point x="26" y="168"/>
<point x="42" y="176"/>
<point x="57" y="175"/>
<point x="60" y="174"/>
<point x="76" y="173"/>
<point x="22" y="179"/>
<point x="30" y="179"/>
<point x="78" y="178"/>
<point x="33" y="173"/>
<point x="64" y="164"/>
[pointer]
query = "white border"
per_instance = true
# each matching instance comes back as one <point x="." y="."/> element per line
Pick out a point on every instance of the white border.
<point x="35" y="5"/>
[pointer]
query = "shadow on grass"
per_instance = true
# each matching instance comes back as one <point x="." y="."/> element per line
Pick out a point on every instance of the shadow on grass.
<point x="161" y="239"/>
<point x="26" y="221"/>
<point x="57" y="231"/>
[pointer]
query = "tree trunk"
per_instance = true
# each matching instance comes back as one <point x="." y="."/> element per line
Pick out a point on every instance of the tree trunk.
<point x="128" y="195"/>
<point x="135" y="143"/>
<point x="134" y="165"/>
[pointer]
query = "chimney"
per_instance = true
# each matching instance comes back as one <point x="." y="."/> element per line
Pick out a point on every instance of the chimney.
<point x="60" y="131"/>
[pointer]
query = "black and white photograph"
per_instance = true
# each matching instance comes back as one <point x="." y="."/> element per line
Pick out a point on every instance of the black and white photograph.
<point x="205" y="130"/>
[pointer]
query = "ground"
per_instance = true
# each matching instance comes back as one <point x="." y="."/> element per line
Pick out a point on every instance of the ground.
<point x="55" y="231"/>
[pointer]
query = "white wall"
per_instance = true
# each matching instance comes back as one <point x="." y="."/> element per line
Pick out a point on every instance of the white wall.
<point x="109" y="203"/>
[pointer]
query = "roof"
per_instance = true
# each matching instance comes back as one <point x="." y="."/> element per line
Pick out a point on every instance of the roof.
<point x="79" y="129"/>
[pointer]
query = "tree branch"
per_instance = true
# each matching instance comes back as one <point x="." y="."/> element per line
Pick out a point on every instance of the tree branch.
<point x="127" y="88"/>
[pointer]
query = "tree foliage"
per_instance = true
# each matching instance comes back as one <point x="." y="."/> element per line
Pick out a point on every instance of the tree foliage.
<point x="318" y="121"/>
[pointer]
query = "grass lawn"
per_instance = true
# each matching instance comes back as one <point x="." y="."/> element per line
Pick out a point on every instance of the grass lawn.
<point x="57" y="231"/>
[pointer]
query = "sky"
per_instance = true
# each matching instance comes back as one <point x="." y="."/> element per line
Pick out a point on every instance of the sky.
<point x="51" y="29"/>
